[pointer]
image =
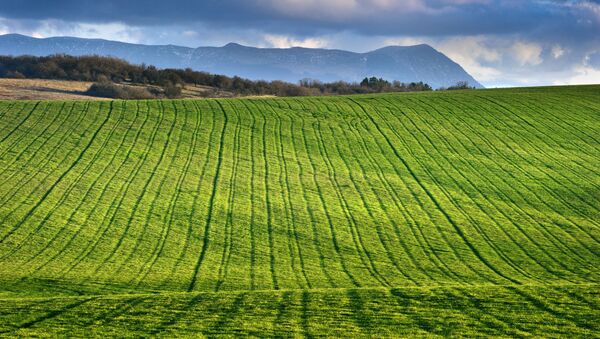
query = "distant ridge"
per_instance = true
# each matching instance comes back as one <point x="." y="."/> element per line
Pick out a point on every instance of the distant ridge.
<point x="403" y="63"/>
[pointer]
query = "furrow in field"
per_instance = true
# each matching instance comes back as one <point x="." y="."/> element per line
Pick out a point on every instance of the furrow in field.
<point x="54" y="313"/>
<point x="459" y="230"/>
<point x="541" y="112"/>
<point x="341" y="207"/>
<point x="29" y="130"/>
<point x="429" y="214"/>
<point x="26" y="181"/>
<point x="263" y="204"/>
<point x="205" y="238"/>
<point x="569" y="153"/>
<point x="68" y="192"/>
<point x="384" y="238"/>
<point x="169" y="324"/>
<point x="84" y="201"/>
<point x="154" y="206"/>
<point x="491" y="238"/>
<point x="323" y="205"/>
<point x="43" y="197"/>
<point x="550" y="130"/>
<point x="545" y="307"/>
<point x="536" y="131"/>
<point x="411" y="217"/>
<point x="5" y="108"/>
<point x="507" y="191"/>
<point x="365" y="205"/>
<point x="229" y="224"/>
<point x="172" y="222"/>
<point x="253" y="200"/>
<point x="518" y="149"/>
<point x="101" y="232"/>
<point x="491" y="140"/>
<point x="483" y="197"/>
<point x="156" y="182"/>
<point x="268" y="202"/>
<point x="116" y="205"/>
<point x="19" y="124"/>
<point x="290" y="209"/>
<point x="62" y="195"/>
<point x="102" y="318"/>
<point x="379" y="197"/>
<point x="167" y="221"/>
<point x="489" y="321"/>
<point x="281" y="253"/>
<point x="196" y="193"/>
<point x="36" y="137"/>
<point x="398" y="312"/>
<point x="15" y="161"/>
<point x="106" y="262"/>
<point x="319" y="247"/>
<point x="356" y="139"/>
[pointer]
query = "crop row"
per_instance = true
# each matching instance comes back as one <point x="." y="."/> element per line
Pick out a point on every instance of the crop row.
<point x="483" y="187"/>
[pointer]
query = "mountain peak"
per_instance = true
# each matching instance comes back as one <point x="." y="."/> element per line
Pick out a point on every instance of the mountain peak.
<point x="402" y="63"/>
<point x="394" y="48"/>
<point x="232" y="45"/>
<point x="15" y="35"/>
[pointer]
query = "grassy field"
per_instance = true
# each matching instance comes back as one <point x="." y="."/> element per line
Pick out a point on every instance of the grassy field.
<point x="447" y="213"/>
<point x="42" y="89"/>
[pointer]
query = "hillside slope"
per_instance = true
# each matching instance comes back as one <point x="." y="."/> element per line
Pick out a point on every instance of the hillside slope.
<point x="467" y="213"/>
<point x="403" y="63"/>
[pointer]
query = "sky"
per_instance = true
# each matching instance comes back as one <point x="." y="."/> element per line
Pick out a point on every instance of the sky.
<point x="500" y="42"/>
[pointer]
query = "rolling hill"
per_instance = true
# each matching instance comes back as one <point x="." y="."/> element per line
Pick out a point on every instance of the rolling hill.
<point x="406" y="64"/>
<point x="472" y="213"/>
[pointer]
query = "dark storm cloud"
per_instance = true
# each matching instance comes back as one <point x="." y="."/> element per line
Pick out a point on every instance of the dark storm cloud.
<point x="377" y="17"/>
<point x="136" y="12"/>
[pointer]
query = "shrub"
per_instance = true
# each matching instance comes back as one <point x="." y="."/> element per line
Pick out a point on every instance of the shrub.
<point x="460" y="85"/>
<point x="172" y="91"/>
<point x="15" y="75"/>
<point x="114" y="91"/>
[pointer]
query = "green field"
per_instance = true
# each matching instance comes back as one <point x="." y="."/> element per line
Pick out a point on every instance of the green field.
<point x="446" y="213"/>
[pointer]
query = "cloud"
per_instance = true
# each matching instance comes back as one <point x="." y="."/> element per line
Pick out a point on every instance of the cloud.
<point x="593" y="8"/>
<point x="592" y="60"/>
<point x="4" y="29"/>
<point x="406" y="41"/>
<point x="282" y="41"/>
<point x="49" y="28"/>
<point x="585" y="75"/>
<point x="190" y="33"/>
<point x="581" y="75"/>
<point x="527" y="53"/>
<point x="557" y="51"/>
<point x="342" y="9"/>
<point x="474" y="54"/>
<point x="302" y="17"/>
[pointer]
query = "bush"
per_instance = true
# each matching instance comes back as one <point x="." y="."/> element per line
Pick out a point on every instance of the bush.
<point x="114" y="91"/>
<point x="15" y="75"/>
<point x="460" y="85"/>
<point x="172" y="91"/>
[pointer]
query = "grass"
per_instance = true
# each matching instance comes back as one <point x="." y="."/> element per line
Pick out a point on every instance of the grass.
<point x="471" y="213"/>
<point x="44" y="89"/>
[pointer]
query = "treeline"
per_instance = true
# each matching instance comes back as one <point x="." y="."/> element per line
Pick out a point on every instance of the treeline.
<point x="105" y="70"/>
<point x="368" y="85"/>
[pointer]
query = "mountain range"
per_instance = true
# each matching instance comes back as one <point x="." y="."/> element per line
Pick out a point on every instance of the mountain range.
<point x="403" y="63"/>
